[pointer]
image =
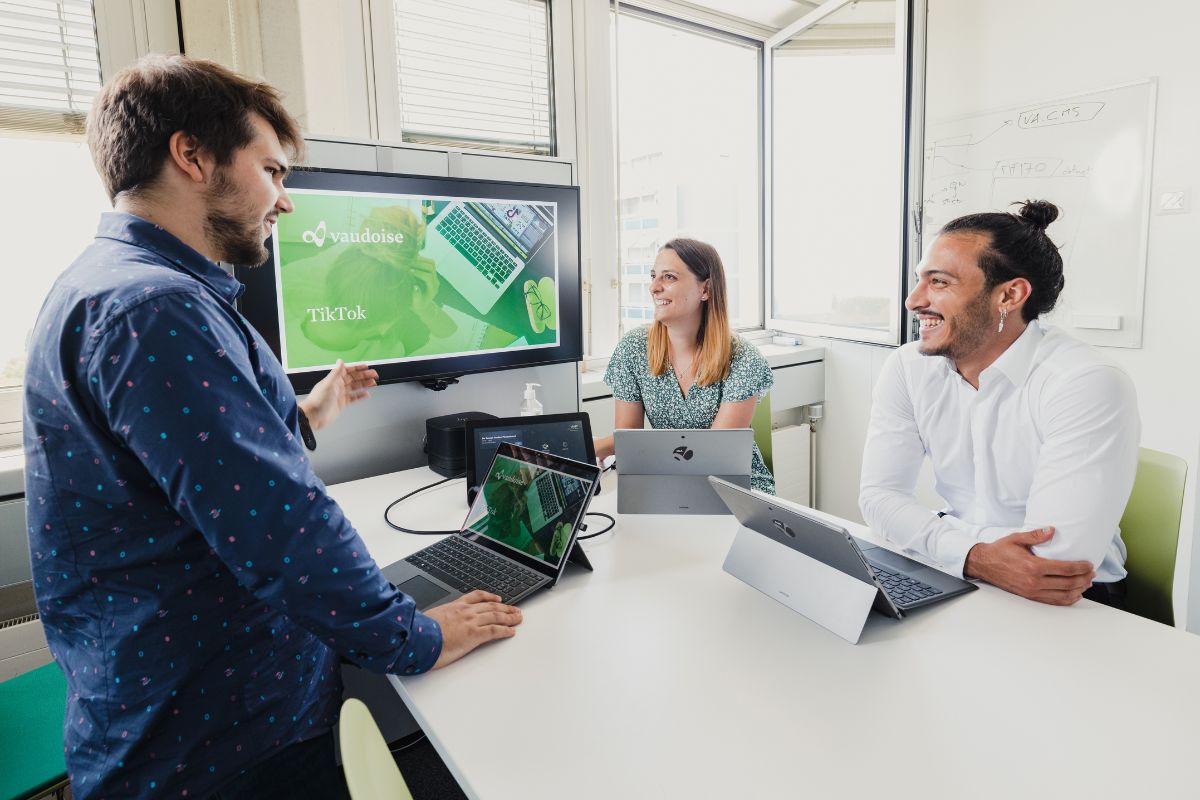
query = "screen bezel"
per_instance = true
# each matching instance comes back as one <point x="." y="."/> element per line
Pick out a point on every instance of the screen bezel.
<point x="259" y="302"/>
<point x="576" y="469"/>
<point x="476" y="472"/>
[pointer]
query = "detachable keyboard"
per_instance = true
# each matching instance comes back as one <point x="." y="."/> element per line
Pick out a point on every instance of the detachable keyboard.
<point x="493" y="261"/>
<point x="903" y="590"/>
<point x="467" y="567"/>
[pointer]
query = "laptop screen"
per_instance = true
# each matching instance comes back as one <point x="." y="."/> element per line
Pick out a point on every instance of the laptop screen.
<point x="565" y="435"/>
<point x="528" y="506"/>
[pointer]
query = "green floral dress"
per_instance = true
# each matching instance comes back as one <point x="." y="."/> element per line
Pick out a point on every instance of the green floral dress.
<point x="631" y="380"/>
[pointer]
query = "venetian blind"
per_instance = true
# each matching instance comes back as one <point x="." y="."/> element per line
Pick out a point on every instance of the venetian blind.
<point x="49" y="66"/>
<point x="475" y="73"/>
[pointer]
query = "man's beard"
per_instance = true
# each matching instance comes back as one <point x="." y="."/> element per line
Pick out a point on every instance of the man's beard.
<point x="232" y="225"/>
<point x="969" y="330"/>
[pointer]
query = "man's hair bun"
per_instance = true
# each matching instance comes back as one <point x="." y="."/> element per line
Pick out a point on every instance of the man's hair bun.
<point x="1038" y="213"/>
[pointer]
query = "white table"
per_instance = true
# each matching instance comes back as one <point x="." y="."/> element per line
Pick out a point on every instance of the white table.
<point x="660" y="676"/>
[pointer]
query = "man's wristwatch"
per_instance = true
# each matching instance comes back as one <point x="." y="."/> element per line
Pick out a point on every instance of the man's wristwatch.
<point x="306" y="431"/>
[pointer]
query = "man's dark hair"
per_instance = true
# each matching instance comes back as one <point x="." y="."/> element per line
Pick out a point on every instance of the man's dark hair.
<point x="1018" y="247"/>
<point x="141" y="107"/>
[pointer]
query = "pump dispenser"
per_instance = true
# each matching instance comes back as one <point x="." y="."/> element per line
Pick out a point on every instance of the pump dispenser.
<point x="530" y="407"/>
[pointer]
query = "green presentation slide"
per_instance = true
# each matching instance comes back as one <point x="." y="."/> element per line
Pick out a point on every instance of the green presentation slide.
<point x="528" y="508"/>
<point x="383" y="278"/>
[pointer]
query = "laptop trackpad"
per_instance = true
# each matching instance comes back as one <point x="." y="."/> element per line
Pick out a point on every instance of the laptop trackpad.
<point x="423" y="591"/>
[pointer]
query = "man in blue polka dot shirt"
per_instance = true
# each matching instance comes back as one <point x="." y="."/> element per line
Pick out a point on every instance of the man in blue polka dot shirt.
<point x="196" y="584"/>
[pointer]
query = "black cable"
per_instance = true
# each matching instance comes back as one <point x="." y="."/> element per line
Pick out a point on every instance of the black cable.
<point x="611" y="524"/>
<point x="407" y="742"/>
<point x="394" y="503"/>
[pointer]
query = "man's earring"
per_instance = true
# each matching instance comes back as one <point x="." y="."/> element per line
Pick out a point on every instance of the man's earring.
<point x="1003" y="317"/>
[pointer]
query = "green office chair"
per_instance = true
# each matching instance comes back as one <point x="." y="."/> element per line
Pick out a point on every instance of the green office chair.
<point x="1150" y="529"/>
<point x="761" y="423"/>
<point x="32" y="707"/>
<point x="371" y="771"/>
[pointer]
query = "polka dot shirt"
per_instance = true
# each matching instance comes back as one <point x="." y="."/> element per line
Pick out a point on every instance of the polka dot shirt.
<point x="197" y="585"/>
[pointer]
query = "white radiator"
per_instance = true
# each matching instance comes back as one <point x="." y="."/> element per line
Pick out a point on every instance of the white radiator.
<point x="790" y="452"/>
<point x="22" y="647"/>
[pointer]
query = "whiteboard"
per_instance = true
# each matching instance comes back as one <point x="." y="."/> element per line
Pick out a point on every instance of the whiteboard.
<point x="1089" y="154"/>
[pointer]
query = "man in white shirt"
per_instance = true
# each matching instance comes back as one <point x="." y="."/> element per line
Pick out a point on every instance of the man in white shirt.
<point x="1032" y="436"/>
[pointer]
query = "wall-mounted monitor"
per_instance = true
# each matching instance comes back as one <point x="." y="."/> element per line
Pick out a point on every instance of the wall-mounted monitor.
<point x="421" y="277"/>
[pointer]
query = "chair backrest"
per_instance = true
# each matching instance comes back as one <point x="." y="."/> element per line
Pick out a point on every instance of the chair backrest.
<point x="371" y="771"/>
<point x="1150" y="530"/>
<point x="761" y="423"/>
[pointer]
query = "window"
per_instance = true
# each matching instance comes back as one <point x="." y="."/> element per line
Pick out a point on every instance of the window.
<point x="475" y="73"/>
<point x="448" y="73"/>
<point x="837" y="177"/>
<point x="49" y="73"/>
<point x="688" y="143"/>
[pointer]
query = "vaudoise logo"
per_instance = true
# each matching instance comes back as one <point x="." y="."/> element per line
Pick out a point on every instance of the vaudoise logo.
<point x="321" y="233"/>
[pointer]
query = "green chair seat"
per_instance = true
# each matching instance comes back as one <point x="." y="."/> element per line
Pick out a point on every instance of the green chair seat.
<point x="32" y="707"/>
<point x="1150" y="530"/>
<point x="761" y="423"/>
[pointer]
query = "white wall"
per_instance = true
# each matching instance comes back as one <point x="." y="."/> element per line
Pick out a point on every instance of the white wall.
<point x="993" y="53"/>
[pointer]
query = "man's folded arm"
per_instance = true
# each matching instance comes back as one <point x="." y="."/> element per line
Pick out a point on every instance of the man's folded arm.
<point x="1087" y="463"/>
<point x="1085" y="466"/>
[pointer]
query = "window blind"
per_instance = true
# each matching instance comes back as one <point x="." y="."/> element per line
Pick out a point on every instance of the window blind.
<point x="49" y="65"/>
<point x="475" y="73"/>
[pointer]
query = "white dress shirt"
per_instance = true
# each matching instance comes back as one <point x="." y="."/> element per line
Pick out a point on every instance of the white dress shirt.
<point x="1050" y="438"/>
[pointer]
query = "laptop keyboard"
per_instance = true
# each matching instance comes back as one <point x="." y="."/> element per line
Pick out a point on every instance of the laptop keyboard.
<point x="467" y="567"/>
<point x="492" y="260"/>
<point x="902" y="589"/>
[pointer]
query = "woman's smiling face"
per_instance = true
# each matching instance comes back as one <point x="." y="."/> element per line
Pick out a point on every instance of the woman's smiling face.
<point x="678" y="294"/>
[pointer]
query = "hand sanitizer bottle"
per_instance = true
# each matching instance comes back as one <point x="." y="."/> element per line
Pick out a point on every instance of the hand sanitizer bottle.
<point x="530" y="407"/>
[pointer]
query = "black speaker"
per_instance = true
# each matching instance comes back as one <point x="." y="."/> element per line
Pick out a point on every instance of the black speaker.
<point x="445" y="443"/>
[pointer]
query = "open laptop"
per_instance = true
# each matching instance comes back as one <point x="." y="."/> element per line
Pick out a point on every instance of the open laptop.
<point x="517" y="538"/>
<point x="566" y="435"/>
<point x="481" y="247"/>
<point x="666" y="471"/>
<point x="900" y="583"/>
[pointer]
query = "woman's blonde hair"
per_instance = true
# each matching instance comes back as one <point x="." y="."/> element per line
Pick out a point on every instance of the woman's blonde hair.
<point x="714" y="338"/>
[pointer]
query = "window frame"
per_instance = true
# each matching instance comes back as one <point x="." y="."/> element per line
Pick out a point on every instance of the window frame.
<point x="382" y="80"/>
<point x="912" y="86"/>
<point x="722" y="34"/>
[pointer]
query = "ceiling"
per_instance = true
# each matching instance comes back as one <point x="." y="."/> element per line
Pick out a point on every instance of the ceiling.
<point x="769" y="13"/>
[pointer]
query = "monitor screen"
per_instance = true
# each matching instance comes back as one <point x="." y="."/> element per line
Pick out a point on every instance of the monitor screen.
<point x="419" y="277"/>
<point x="530" y="507"/>
<point x="564" y="435"/>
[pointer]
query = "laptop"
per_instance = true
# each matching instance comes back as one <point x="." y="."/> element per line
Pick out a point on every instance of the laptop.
<point x="481" y="247"/>
<point x="898" y="584"/>
<point x="518" y="536"/>
<point x="566" y="435"/>
<point x="666" y="471"/>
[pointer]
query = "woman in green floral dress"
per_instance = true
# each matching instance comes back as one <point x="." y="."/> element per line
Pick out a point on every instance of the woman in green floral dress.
<point x="687" y="369"/>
